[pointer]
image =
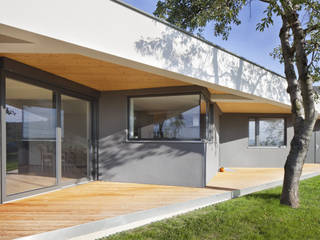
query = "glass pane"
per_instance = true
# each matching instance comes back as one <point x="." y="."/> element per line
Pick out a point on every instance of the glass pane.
<point x="252" y="132"/>
<point x="31" y="137"/>
<point x="165" y="117"/>
<point x="75" y="138"/>
<point x="271" y="132"/>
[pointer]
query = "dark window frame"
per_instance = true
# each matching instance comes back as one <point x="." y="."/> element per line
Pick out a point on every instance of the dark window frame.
<point x="257" y="131"/>
<point x="203" y="129"/>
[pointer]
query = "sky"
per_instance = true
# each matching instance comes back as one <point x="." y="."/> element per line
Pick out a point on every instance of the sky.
<point x="243" y="40"/>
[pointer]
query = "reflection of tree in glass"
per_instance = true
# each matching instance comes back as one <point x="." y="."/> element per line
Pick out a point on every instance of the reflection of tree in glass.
<point x="10" y="111"/>
<point x="271" y="133"/>
<point x="160" y="133"/>
<point x="170" y="128"/>
<point x="176" y="123"/>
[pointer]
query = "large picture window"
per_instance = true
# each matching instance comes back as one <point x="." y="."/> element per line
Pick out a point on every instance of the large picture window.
<point x="180" y="117"/>
<point x="268" y="132"/>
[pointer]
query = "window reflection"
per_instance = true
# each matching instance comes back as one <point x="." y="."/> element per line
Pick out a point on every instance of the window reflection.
<point x="271" y="132"/>
<point x="165" y="117"/>
<point x="267" y="132"/>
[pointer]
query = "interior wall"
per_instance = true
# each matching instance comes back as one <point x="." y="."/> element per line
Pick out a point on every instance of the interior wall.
<point x="151" y="162"/>
<point x="234" y="149"/>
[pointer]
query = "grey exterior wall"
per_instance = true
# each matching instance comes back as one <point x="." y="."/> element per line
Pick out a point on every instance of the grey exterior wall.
<point x="212" y="147"/>
<point x="311" y="157"/>
<point x="234" y="150"/>
<point x="168" y="163"/>
<point x="314" y="148"/>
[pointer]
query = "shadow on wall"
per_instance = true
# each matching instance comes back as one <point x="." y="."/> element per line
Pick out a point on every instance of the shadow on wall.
<point x="233" y="128"/>
<point x="115" y="152"/>
<point x="179" y="52"/>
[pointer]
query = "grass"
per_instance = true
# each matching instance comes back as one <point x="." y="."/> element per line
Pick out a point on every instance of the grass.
<point x="12" y="162"/>
<point x="12" y="165"/>
<point x="256" y="216"/>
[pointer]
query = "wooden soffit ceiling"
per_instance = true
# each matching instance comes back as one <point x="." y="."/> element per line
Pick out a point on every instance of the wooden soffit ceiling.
<point x="237" y="107"/>
<point x="214" y="91"/>
<point x="99" y="75"/>
<point x="105" y="76"/>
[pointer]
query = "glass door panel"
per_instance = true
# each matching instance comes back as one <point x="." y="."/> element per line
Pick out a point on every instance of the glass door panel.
<point x="75" y="115"/>
<point x="31" y="137"/>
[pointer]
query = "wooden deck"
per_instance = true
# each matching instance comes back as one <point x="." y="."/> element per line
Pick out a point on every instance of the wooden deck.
<point x="87" y="202"/>
<point x="239" y="178"/>
<point x="98" y="200"/>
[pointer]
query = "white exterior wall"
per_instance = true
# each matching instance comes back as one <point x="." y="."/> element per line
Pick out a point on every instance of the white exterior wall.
<point x="109" y="31"/>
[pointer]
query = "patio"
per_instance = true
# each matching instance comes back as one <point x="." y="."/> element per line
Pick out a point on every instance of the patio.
<point x="100" y="200"/>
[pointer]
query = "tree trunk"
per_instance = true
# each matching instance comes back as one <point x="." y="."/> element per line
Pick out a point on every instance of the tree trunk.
<point x="302" y="102"/>
<point x="294" y="165"/>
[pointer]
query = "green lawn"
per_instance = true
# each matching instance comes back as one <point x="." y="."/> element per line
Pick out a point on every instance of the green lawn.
<point x="12" y="162"/>
<point x="12" y="166"/>
<point x="256" y="216"/>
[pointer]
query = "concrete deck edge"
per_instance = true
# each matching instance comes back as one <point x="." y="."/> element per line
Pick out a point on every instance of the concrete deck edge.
<point x="109" y="226"/>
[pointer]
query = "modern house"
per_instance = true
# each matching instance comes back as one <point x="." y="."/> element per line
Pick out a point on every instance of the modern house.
<point x="97" y="90"/>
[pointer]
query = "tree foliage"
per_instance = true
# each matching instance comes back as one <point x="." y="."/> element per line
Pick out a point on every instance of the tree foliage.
<point x="194" y="15"/>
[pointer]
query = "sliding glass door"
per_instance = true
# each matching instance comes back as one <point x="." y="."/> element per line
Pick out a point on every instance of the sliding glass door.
<point x="40" y="151"/>
<point x="31" y="137"/>
<point x="75" y="116"/>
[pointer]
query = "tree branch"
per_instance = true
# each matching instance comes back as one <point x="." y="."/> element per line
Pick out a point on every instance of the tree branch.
<point x="265" y="1"/>
<point x="311" y="28"/>
<point x="305" y="80"/>
<point x="288" y="56"/>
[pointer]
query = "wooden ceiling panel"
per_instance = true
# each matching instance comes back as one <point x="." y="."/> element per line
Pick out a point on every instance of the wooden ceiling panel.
<point x="214" y="91"/>
<point x="99" y="75"/>
<point x="234" y="107"/>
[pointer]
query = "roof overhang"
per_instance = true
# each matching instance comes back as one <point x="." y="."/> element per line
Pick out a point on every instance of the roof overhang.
<point x="114" y="34"/>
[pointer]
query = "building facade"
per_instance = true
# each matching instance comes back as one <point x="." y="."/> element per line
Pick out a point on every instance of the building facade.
<point x="136" y="100"/>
